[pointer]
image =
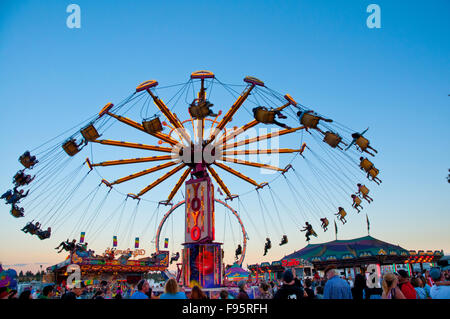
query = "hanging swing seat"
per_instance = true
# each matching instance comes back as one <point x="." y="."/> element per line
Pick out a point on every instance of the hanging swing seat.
<point x="17" y="212"/>
<point x="152" y="125"/>
<point x="366" y="165"/>
<point x="332" y="139"/>
<point x="309" y="120"/>
<point x="90" y="133"/>
<point x="362" y="142"/>
<point x="200" y="110"/>
<point x="71" y="147"/>
<point x="263" y="115"/>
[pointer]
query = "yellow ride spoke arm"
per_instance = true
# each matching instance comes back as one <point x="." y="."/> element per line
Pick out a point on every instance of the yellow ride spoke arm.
<point x="170" y="116"/>
<point x="159" y="180"/>
<point x="238" y="161"/>
<point x="228" y="117"/>
<point x="262" y="137"/>
<point x="235" y="133"/>
<point x="236" y="173"/>
<point x="178" y="184"/>
<point x="134" y="145"/>
<point x="269" y="151"/>
<point x="144" y="172"/>
<point x="134" y="160"/>
<point x="161" y="136"/>
<point x="219" y="181"/>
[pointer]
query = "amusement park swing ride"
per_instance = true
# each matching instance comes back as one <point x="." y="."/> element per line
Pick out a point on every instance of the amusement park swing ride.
<point x="203" y="148"/>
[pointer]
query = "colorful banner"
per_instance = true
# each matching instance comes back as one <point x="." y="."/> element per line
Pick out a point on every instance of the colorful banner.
<point x="114" y="241"/>
<point x="166" y="243"/>
<point x="82" y="237"/>
<point x="136" y="242"/>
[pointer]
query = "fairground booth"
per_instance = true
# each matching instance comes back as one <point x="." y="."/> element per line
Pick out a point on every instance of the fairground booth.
<point x="350" y="257"/>
<point x="100" y="268"/>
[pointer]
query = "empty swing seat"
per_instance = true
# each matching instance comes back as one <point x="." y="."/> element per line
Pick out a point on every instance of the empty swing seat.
<point x="90" y="133"/>
<point x="71" y="147"/>
<point x="153" y="125"/>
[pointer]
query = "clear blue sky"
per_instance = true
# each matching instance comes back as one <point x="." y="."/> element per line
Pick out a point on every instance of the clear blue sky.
<point x="396" y="80"/>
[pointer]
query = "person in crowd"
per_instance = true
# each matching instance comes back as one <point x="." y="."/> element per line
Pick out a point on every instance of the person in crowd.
<point x="308" y="288"/>
<point x="4" y="293"/>
<point x="319" y="292"/>
<point x="26" y="295"/>
<point x="425" y="286"/>
<point x="358" y="290"/>
<point x="242" y="290"/>
<point x="264" y="291"/>
<point x="142" y="289"/>
<point x="47" y="292"/>
<point x="289" y="290"/>
<point x="172" y="291"/>
<point x="405" y="285"/>
<point x="336" y="287"/>
<point x="420" y="291"/>
<point x="75" y="292"/>
<point x="224" y="294"/>
<point x="390" y="287"/>
<point x="197" y="293"/>
<point x="99" y="294"/>
<point x="13" y="294"/>
<point x="440" y="290"/>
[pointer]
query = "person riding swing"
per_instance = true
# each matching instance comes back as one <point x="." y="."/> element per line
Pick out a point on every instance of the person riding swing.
<point x="16" y="211"/>
<point x="27" y="160"/>
<point x="364" y="191"/>
<point x="284" y="240"/>
<point x="174" y="257"/>
<point x="333" y="139"/>
<point x="44" y="234"/>
<point x="238" y="251"/>
<point x="309" y="231"/>
<point x="341" y="213"/>
<point x="356" y="202"/>
<point x="263" y="115"/>
<point x="267" y="246"/>
<point x="310" y="119"/>
<point x="325" y="223"/>
<point x="363" y="143"/>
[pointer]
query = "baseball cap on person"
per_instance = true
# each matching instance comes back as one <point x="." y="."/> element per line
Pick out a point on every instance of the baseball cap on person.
<point x="403" y="273"/>
<point x="288" y="276"/>
<point x="435" y="274"/>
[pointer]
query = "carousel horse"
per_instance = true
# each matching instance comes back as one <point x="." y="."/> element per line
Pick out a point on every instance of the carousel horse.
<point x="267" y="246"/>
<point x="284" y="240"/>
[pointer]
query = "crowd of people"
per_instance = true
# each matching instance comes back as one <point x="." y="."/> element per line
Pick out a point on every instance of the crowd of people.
<point x="429" y="284"/>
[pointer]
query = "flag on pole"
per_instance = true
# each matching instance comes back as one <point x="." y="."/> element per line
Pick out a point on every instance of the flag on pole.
<point x="114" y="241"/>
<point x="136" y="242"/>
<point x="220" y="192"/>
<point x="82" y="237"/>
<point x="368" y="224"/>
<point x="166" y="243"/>
<point x="335" y="229"/>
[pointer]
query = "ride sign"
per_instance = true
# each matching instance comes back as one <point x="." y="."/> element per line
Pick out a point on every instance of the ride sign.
<point x="199" y="210"/>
